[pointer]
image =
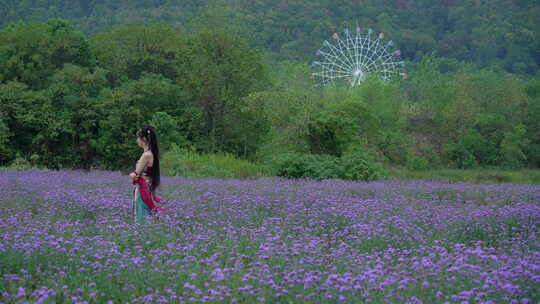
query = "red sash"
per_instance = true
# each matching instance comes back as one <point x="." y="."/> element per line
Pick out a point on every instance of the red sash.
<point x="148" y="197"/>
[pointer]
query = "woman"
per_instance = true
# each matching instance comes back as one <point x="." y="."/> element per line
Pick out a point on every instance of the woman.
<point x="146" y="177"/>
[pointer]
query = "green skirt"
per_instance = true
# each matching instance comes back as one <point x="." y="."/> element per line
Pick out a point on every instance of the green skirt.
<point x="140" y="210"/>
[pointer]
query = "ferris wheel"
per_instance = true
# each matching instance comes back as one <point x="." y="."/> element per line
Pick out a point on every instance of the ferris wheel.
<point x="350" y="58"/>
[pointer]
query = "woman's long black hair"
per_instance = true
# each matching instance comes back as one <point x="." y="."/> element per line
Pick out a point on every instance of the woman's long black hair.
<point x="149" y="134"/>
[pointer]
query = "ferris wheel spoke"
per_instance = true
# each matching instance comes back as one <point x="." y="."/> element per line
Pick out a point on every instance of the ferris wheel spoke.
<point x="341" y="56"/>
<point x="356" y="47"/>
<point x="351" y="50"/>
<point x="329" y="70"/>
<point x="335" y="59"/>
<point x="338" y="77"/>
<point x="351" y="58"/>
<point x="336" y="68"/>
<point x="343" y="47"/>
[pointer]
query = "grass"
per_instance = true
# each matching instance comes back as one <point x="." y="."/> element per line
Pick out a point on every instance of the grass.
<point x="185" y="163"/>
<point x="483" y="175"/>
<point x="219" y="165"/>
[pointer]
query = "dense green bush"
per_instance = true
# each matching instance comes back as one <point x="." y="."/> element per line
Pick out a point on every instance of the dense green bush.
<point x="299" y="165"/>
<point x="426" y="159"/>
<point x="357" y="166"/>
<point x="417" y="162"/>
<point x="512" y="147"/>
<point x="5" y="152"/>
<point x="21" y="164"/>
<point x="461" y="157"/>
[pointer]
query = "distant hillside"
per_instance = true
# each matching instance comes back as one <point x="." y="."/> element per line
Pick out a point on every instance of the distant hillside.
<point x="497" y="33"/>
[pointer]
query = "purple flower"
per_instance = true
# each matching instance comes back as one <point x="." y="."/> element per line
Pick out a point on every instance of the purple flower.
<point x="21" y="293"/>
<point x="218" y="275"/>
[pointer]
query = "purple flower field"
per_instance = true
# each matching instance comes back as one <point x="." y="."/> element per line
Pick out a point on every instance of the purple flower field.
<point x="67" y="237"/>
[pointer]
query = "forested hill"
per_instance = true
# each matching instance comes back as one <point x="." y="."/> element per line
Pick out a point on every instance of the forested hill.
<point x="503" y="34"/>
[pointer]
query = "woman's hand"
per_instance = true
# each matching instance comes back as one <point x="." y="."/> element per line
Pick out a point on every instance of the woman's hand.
<point x="133" y="175"/>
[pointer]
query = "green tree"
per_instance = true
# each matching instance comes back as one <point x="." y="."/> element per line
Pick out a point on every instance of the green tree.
<point x="487" y="104"/>
<point x="498" y="33"/>
<point x="130" y="51"/>
<point x="170" y="131"/>
<point x="218" y="69"/>
<point x="289" y="107"/>
<point x="369" y="116"/>
<point x="19" y="109"/>
<point x="512" y="147"/>
<point x="31" y="53"/>
<point x="136" y="103"/>
<point x="532" y="122"/>
<point x="73" y="114"/>
<point x="5" y="151"/>
<point x="246" y="126"/>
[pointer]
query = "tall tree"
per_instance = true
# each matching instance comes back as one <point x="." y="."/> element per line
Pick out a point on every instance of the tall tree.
<point x="129" y="51"/>
<point x="218" y="68"/>
<point x="31" y="53"/>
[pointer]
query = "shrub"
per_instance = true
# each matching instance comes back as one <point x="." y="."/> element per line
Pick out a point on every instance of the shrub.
<point x="427" y="160"/>
<point x="360" y="166"/>
<point x="417" y="163"/>
<point x="357" y="166"/>
<point x="20" y="163"/>
<point x="187" y="163"/>
<point x="461" y="156"/>
<point x="512" y="147"/>
<point x="298" y="165"/>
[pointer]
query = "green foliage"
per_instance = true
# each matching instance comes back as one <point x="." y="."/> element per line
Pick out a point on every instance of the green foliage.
<point x="298" y="165"/>
<point x="167" y="127"/>
<point x="331" y="131"/>
<point x="428" y="151"/>
<point x="31" y="52"/>
<point x="462" y="152"/>
<point x="512" y="147"/>
<point x="129" y="52"/>
<point x="532" y="122"/>
<point x="288" y="109"/>
<point x="472" y="149"/>
<point x="20" y="163"/>
<point x="5" y="152"/>
<point x="469" y="123"/>
<point x="502" y="35"/>
<point x="369" y="115"/>
<point x="187" y="163"/>
<point x="72" y="112"/>
<point x="489" y="102"/>
<point x="479" y="175"/>
<point x="218" y="69"/>
<point x="247" y="127"/>
<point x="359" y="165"/>
<point x="71" y="102"/>
<point x="21" y="110"/>
<point x="82" y="107"/>
<point x="356" y="165"/>
<point x="417" y="163"/>
<point x="135" y="103"/>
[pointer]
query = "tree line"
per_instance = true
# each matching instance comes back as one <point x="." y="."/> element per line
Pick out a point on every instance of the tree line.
<point x="69" y="101"/>
<point x="72" y="101"/>
<point x="499" y="34"/>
